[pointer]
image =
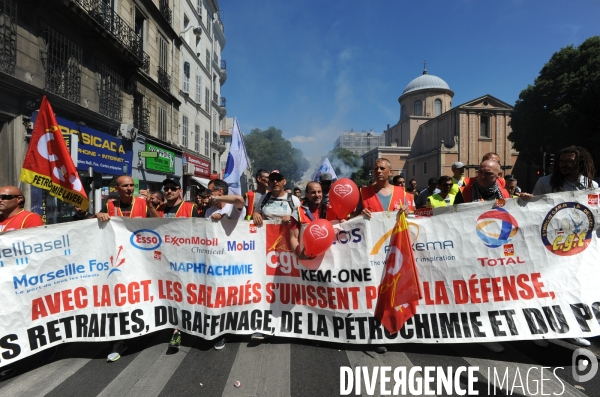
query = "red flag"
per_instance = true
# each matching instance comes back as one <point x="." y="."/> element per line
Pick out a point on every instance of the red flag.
<point x="48" y="164"/>
<point x="399" y="289"/>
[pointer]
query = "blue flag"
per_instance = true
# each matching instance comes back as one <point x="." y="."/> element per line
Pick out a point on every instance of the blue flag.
<point x="325" y="167"/>
<point x="237" y="160"/>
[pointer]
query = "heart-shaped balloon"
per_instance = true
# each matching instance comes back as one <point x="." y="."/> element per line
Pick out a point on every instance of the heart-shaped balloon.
<point x="343" y="197"/>
<point x="318" y="237"/>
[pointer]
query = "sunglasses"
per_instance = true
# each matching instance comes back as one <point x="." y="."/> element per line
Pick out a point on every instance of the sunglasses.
<point x="448" y="185"/>
<point x="6" y="197"/>
<point x="171" y="188"/>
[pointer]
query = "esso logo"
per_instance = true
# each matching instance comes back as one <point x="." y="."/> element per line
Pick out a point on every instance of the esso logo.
<point x="145" y="239"/>
<point x="282" y="264"/>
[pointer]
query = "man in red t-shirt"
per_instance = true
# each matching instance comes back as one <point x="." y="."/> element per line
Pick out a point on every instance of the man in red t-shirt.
<point x="311" y="211"/>
<point x="14" y="217"/>
<point x="12" y="214"/>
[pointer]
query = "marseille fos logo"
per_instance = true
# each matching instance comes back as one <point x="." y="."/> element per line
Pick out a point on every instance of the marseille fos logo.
<point x="496" y="228"/>
<point x="567" y="229"/>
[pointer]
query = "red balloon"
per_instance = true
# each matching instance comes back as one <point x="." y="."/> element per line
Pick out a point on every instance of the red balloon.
<point x="318" y="237"/>
<point x="343" y="197"/>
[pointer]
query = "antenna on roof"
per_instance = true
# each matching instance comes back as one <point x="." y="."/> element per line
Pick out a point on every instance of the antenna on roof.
<point x="424" y="67"/>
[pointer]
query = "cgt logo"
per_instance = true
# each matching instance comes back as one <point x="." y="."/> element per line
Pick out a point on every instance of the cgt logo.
<point x="567" y="229"/>
<point x="496" y="227"/>
<point x="281" y="261"/>
<point x="145" y="239"/>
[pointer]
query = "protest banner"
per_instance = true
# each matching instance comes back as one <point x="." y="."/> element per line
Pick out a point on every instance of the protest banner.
<point x="488" y="272"/>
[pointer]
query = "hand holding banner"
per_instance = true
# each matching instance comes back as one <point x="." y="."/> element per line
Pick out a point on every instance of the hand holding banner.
<point x="48" y="164"/>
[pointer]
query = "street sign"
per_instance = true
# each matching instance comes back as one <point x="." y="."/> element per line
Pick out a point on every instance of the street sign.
<point x="149" y="154"/>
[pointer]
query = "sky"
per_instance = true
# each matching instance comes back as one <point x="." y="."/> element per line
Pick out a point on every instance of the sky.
<point x="316" y="68"/>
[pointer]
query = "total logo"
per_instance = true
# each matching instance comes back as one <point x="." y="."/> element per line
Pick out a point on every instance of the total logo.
<point x="241" y="245"/>
<point x="496" y="228"/>
<point x="567" y="229"/>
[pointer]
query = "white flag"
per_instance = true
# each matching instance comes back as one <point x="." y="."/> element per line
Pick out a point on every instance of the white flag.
<point x="237" y="160"/>
<point x="325" y="167"/>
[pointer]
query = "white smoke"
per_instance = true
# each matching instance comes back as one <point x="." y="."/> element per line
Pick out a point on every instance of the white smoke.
<point x="346" y="170"/>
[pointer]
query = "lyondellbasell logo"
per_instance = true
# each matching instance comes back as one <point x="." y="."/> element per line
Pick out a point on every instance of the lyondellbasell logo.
<point x="567" y="229"/>
<point x="592" y="199"/>
<point x="584" y="365"/>
<point x="415" y="381"/>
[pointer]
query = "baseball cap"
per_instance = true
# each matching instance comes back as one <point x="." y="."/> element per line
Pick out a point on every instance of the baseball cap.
<point x="458" y="164"/>
<point x="275" y="174"/>
<point x="171" y="181"/>
<point x="326" y="176"/>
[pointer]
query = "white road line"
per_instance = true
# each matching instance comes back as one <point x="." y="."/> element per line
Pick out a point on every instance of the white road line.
<point x="263" y="370"/>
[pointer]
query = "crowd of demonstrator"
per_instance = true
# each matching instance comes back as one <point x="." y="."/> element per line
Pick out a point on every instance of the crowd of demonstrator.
<point x="271" y="200"/>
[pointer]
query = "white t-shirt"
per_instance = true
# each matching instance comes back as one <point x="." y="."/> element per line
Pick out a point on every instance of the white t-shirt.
<point x="543" y="185"/>
<point x="228" y="211"/>
<point x="277" y="207"/>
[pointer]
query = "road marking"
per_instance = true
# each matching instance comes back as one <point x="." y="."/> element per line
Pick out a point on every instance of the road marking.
<point x="262" y="370"/>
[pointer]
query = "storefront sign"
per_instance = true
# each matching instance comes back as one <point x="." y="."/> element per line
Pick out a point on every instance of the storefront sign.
<point x="164" y="162"/>
<point x="105" y="153"/>
<point x="201" y="166"/>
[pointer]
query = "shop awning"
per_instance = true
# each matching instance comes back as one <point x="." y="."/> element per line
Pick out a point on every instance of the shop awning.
<point x="202" y="181"/>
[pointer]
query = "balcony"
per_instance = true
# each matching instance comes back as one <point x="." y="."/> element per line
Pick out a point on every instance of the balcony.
<point x="218" y="144"/>
<point x="223" y="107"/>
<point x="163" y="7"/>
<point x="216" y="98"/>
<point x="223" y="71"/>
<point x="108" y="19"/>
<point x="163" y="79"/>
<point x="146" y="64"/>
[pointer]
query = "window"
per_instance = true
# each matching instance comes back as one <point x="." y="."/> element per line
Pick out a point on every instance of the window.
<point x="111" y="93"/>
<point x="141" y="111"/>
<point x="206" y="141"/>
<point x="199" y="90"/>
<point x="403" y="112"/>
<point x="184" y="132"/>
<point x="197" y="139"/>
<point x="437" y="107"/>
<point x="63" y="74"/>
<point x="163" y="57"/>
<point x="414" y="169"/>
<point x="418" y="108"/>
<point x="162" y="123"/>
<point x="484" y="127"/>
<point x="425" y="168"/>
<point x="207" y="59"/>
<point x="208" y="22"/>
<point x="207" y="99"/>
<point x="8" y="34"/>
<point x="199" y="8"/>
<point x="186" y="77"/>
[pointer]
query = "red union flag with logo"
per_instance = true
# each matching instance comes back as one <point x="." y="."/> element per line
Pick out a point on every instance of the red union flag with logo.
<point x="48" y="164"/>
<point x="399" y="291"/>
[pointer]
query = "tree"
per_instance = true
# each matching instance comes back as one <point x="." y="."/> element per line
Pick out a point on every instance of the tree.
<point x="562" y="108"/>
<point x="347" y="164"/>
<point x="269" y="150"/>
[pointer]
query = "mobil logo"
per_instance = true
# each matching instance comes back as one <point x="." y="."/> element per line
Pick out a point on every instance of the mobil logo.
<point x="496" y="227"/>
<point x="348" y="236"/>
<point x="241" y="245"/>
<point x="145" y="239"/>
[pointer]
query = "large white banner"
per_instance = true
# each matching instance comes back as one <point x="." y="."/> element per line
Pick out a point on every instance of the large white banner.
<point x="509" y="271"/>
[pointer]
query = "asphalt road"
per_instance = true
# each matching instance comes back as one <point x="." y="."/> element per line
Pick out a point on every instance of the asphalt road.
<point x="287" y="367"/>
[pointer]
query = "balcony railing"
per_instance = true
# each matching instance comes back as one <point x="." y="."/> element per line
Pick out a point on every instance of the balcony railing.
<point x="163" y="7"/>
<point x="8" y="36"/>
<point x="163" y="79"/>
<point x="108" y="18"/>
<point x="223" y="102"/>
<point x="223" y="64"/>
<point x="215" y="97"/>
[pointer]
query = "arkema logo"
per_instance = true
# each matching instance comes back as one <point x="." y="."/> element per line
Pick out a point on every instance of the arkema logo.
<point x="241" y="245"/>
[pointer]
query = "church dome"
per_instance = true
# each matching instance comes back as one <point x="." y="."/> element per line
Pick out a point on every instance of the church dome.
<point x="426" y="81"/>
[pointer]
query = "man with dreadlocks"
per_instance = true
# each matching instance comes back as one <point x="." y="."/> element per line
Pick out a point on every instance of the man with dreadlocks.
<point x="575" y="171"/>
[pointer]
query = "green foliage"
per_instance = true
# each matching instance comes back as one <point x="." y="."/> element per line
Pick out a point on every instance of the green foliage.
<point x="562" y="108"/>
<point x="268" y="149"/>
